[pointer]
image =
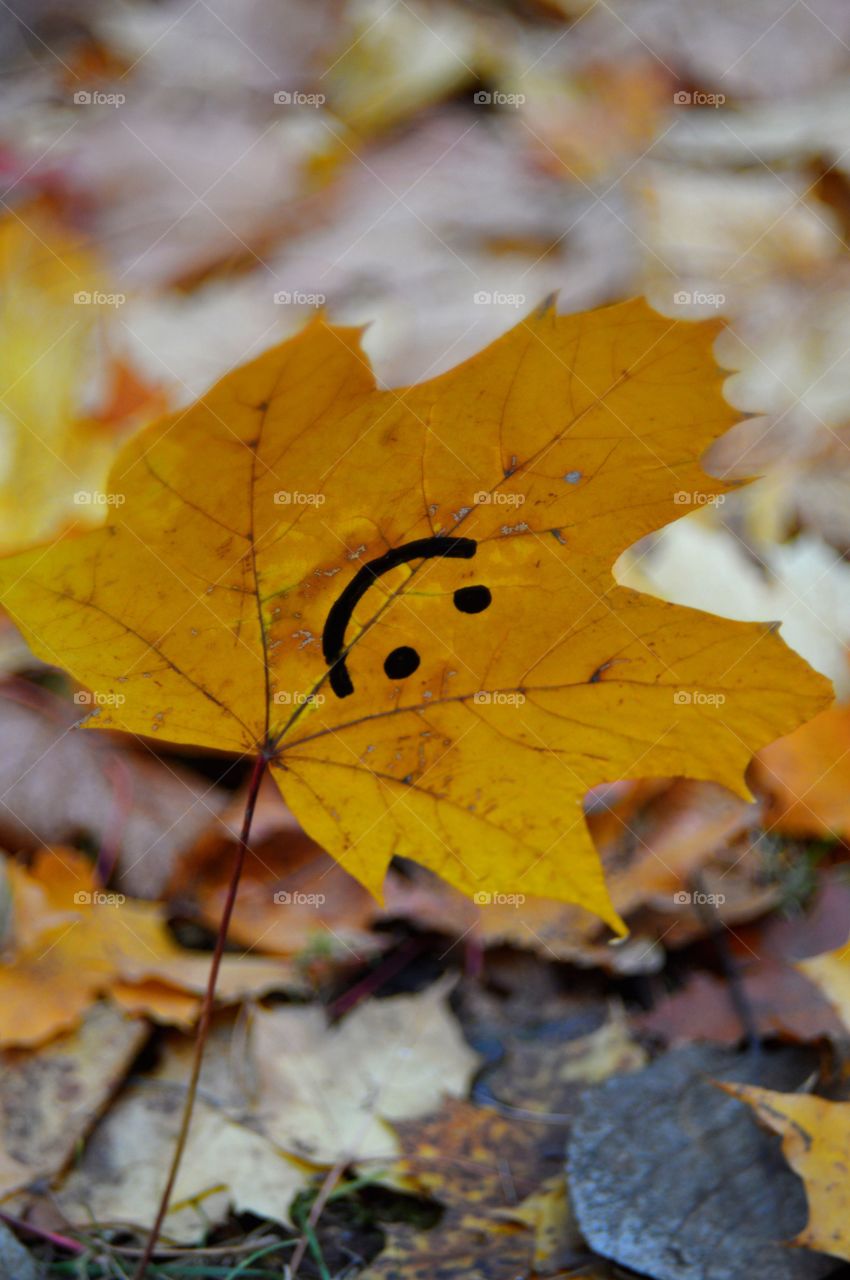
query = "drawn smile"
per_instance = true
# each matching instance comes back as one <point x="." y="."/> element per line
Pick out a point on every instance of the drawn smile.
<point x="404" y="660"/>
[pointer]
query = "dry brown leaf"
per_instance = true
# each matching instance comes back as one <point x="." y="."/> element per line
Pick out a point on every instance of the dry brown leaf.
<point x="328" y="1093"/>
<point x="58" y="786"/>
<point x="226" y="1165"/>
<point x="50" y="1098"/>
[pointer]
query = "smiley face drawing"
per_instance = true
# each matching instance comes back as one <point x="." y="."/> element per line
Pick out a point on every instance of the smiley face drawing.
<point x="404" y="660"/>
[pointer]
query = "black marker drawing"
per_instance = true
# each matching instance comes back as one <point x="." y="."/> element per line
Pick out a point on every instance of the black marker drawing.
<point x="404" y="660"/>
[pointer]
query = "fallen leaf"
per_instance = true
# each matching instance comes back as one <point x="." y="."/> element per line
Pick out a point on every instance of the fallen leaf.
<point x="281" y="1093"/>
<point x="815" y="1136"/>
<point x="806" y="776"/>
<point x="243" y="638"/>
<point x="478" y="1164"/>
<point x="781" y="1001"/>
<point x="663" y="1147"/>
<point x="831" y="973"/>
<point x="133" y="808"/>
<point x="225" y="1165"/>
<point x="329" y="1093"/>
<point x="55" y="455"/>
<point x="50" y="1098"/>
<point x="556" y="1236"/>
<point x="72" y="942"/>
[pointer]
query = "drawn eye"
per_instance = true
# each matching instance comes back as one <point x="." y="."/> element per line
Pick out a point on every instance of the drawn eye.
<point x="401" y="662"/>
<point x="404" y="660"/>
<point x="472" y="599"/>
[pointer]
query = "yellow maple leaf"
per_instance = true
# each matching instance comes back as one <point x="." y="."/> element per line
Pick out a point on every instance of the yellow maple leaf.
<point x="67" y="944"/>
<point x="404" y="599"/>
<point x="815" y="1139"/>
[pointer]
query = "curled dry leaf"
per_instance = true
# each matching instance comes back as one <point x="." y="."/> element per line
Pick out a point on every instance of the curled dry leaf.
<point x="432" y="654"/>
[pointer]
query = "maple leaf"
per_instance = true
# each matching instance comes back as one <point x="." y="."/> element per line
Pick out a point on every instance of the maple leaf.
<point x="71" y="943"/>
<point x="404" y="600"/>
<point x="815" y="1137"/>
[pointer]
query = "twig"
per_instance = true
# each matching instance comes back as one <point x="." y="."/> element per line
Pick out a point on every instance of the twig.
<point x="205" y="1016"/>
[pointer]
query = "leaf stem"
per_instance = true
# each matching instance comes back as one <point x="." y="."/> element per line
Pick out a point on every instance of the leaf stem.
<point x="205" y="1018"/>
